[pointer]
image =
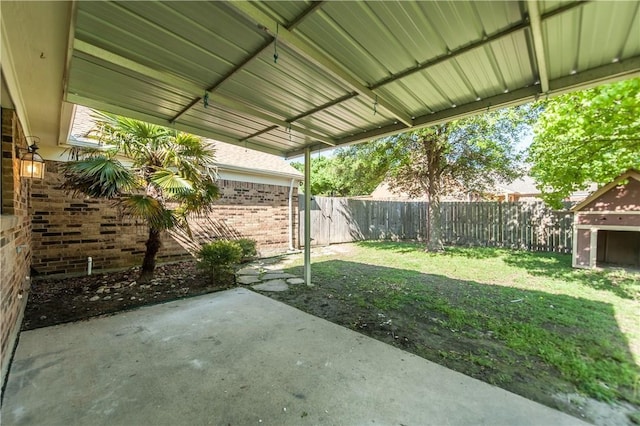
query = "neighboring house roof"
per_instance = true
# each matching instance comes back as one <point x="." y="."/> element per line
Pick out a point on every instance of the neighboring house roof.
<point x="524" y="185"/>
<point x="384" y="192"/>
<point x="629" y="174"/>
<point x="228" y="157"/>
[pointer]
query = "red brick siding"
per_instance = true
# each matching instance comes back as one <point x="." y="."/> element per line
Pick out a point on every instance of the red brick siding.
<point x="15" y="243"/>
<point x="68" y="229"/>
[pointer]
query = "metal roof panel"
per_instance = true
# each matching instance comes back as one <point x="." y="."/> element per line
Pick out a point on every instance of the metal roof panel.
<point x="337" y="61"/>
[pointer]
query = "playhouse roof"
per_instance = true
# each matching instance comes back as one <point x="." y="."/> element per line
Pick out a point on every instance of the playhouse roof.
<point x="629" y="174"/>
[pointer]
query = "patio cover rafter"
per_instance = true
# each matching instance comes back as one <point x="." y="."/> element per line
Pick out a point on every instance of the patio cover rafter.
<point x="273" y="26"/>
<point x="191" y="88"/>
<point x="206" y="132"/>
<point x="240" y="66"/>
<point x="485" y="40"/>
<point x="538" y="44"/>
<point x="600" y="75"/>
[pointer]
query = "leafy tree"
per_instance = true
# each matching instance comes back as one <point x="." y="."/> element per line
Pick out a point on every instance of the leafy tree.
<point x="172" y="174"/>
<point x="361" y="168"/>
<point x="322" y="175"/>
<point x="586" y="137"/>
<point x="462" y="156"/>
<point x="354" y="170"/>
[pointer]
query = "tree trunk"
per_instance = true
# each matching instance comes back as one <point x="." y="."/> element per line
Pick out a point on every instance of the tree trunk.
<point x="149" y="262"/>
<point x="434" y="214"/>
<point x="434" y="228"/>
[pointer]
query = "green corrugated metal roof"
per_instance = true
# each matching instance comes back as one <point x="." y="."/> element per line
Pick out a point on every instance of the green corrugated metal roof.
<point x="346" y="71"/>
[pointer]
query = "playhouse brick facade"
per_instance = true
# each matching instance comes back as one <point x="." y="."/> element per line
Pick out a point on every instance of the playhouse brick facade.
<point x="607" y="225"/>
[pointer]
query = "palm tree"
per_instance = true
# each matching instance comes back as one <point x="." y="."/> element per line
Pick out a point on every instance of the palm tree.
<point x="171" y="175"/>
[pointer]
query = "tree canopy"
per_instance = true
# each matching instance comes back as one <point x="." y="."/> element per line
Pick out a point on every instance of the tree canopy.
<point x="351" y="171"/>
<point x="586" y="137"/>
<point x="465" y="156"/>
<point x="469" y="155"/>
<point x="172" y="174"/>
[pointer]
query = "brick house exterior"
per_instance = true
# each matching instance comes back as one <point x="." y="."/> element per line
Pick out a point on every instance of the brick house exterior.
<point x="67" y="229"/>
<point x="46" y="231"/>
<point x="258" y="200"/>
<point x="15" y="238"/>
<point x="607" y="225"/>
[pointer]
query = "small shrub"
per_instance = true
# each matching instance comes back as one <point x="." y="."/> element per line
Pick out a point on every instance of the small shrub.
<point x="248" y="247"/>
<point x="219" y="257"/>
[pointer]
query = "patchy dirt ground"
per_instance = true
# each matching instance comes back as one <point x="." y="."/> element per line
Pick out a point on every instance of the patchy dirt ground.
<point x="56" y="301"/>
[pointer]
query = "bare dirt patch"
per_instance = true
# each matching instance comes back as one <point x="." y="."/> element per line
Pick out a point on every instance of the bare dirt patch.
<point x="57" y="301"/>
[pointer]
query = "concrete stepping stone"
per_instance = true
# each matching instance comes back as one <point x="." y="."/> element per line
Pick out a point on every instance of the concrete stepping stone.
<point x="276" y="276"/>
<point x="248" y="271"/>
<point x="273" y="285"/>
<point x="248" y="279"/>
<point x="295" y="281"/>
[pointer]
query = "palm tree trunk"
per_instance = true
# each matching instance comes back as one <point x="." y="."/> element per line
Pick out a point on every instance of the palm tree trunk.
<point x="149" y="262"/>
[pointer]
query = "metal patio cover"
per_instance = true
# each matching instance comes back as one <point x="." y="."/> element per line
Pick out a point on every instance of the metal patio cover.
<point x="285" y="75"/>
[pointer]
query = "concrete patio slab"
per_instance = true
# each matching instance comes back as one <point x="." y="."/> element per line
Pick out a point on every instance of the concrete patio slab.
<point x="240" y="358"/>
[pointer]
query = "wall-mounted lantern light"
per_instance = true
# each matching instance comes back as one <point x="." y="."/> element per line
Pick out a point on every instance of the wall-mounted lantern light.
<point x="31" y="163"/>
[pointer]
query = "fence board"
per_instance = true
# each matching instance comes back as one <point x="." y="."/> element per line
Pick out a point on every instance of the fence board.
<point x="521" y="225"/>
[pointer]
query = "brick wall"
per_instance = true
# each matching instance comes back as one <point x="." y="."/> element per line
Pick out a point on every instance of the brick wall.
<point x="15" y="243"/>
<point x="258" y="211"/>
<point x="68" y="229"/>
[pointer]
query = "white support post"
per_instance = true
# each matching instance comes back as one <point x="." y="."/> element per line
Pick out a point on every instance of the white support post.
<point x="307" y="215"/>
<point x="593" y="248"/>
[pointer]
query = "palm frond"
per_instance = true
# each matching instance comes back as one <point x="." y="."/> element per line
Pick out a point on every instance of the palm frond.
<point x="171" y="182"/>
<point x="98" y="176"/>
<point x="199" y="201"/>
<point x="149" y="209"/>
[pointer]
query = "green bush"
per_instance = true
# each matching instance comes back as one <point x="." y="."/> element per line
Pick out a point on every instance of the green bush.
<point x="219" y="257"/>
<point x="248" y="247"/>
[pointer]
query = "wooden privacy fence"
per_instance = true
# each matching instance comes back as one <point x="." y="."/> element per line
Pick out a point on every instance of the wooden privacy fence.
<point x="523" y="225"/>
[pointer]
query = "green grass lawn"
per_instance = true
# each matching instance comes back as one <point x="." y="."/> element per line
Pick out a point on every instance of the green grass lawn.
<point x="516" y="319"/>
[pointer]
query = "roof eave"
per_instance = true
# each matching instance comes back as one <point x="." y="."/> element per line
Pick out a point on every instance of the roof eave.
<point x="260" y="172"/>
<point x="631" y="173"/>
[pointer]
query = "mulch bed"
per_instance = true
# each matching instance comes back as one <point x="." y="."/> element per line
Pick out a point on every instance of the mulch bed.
<point x="57" y="301"/>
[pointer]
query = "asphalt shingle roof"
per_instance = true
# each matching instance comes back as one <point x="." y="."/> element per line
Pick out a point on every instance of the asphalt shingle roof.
<point x="226" y="155"/>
